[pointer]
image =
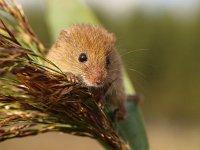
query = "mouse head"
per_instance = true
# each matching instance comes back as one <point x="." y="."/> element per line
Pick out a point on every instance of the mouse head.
<point x="87" y="52"/>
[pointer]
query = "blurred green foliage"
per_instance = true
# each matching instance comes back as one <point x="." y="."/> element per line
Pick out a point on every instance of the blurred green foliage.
<point x="36" y="17"/>
<point x="163" y="60"/>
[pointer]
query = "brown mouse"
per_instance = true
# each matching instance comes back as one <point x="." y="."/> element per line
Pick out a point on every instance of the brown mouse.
<point x="89" y="52"/>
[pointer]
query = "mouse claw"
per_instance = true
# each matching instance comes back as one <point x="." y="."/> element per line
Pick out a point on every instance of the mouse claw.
<point x="72" y="78"/>
<point x="119" y="114"/>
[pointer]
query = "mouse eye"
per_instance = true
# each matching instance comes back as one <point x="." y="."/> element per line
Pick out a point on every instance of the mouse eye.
<point x="107" y="60"/>
<point x="82" y="57"/>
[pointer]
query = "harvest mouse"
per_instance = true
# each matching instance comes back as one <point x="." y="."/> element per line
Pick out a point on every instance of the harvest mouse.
<point x="89" y="52"/>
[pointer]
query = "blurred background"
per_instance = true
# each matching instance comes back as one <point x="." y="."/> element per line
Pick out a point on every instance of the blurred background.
<point x="159" y="41"/>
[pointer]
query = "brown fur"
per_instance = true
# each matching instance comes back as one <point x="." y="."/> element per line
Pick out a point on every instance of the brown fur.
<point x="97" y="43"/>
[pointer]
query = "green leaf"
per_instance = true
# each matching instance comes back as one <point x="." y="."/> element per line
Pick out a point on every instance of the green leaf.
<point x="132" y="129"/>
<point x="63" y="13"/>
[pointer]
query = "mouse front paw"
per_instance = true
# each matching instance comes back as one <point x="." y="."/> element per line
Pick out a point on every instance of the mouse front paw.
<point x="72" y="78"/>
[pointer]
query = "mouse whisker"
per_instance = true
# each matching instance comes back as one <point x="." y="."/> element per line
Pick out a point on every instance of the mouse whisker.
<point x="133" y="51"/>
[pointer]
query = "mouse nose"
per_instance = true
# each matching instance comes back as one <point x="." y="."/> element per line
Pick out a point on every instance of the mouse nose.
<point x="98" y="78"/>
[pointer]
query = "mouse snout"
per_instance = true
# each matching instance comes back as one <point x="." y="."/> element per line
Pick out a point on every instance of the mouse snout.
<point x="97" y="77"/>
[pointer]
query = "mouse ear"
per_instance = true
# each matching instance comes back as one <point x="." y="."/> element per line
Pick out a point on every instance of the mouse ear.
<point x="62" y="38"/>
<point x="63" y="34"/>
